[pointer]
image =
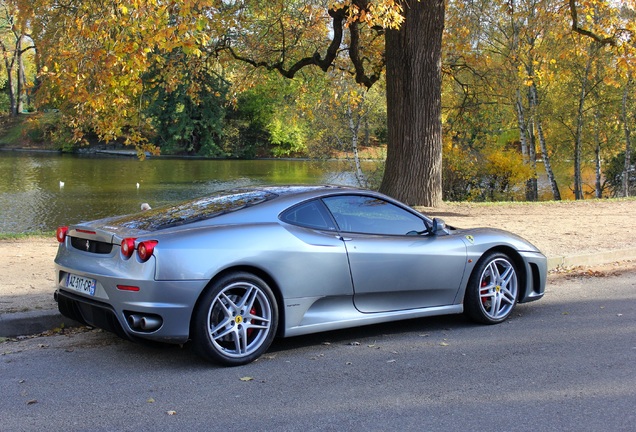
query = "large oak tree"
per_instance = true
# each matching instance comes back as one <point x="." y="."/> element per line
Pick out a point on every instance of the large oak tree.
<point x="364" y="38"/>
<point x="413" y="170"/>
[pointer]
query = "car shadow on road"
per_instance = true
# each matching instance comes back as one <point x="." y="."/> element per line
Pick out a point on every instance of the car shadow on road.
<point x="183" y="357"/>
<point x="373" y="332"/>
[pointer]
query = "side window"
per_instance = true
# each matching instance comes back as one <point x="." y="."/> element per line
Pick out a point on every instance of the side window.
<point x="311" y="214"/>
<point x="370" y="215"/>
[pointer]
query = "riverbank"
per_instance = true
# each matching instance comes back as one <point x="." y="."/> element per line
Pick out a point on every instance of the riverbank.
<point x="591" y="233"/>
<point x="30" y="132"/>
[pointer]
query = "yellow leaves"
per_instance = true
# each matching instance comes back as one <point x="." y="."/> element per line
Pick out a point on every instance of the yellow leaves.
<point x="611" y="81"/>
<point x="385" y="13"/>
<point x="94" y="59"/>
<point x="506" y="164"/>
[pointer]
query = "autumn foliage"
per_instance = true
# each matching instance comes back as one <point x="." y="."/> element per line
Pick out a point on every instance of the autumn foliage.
<point x="530" y="88"/>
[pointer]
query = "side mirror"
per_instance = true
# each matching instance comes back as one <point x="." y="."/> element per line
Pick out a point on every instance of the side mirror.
<point x="439" y="227"/>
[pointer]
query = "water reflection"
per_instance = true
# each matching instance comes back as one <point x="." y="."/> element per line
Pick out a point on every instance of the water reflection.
<point x="32" y="197"/>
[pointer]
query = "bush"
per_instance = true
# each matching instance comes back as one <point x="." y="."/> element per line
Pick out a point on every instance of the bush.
<point x="487" y="175"/>
<point x="614" y="174"/>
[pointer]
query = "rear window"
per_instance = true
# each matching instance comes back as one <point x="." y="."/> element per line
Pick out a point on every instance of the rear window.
<point x="311" y="215"/>
<point x="194" y="210"/>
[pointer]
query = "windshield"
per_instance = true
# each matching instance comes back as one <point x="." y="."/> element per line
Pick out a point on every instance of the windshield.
<point x="194" y="210"/>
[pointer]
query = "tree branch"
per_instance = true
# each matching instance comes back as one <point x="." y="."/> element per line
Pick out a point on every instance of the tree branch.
<point x="354" y="55"/>
<point x="338" y="17"/>
<point x="575" y="27"/>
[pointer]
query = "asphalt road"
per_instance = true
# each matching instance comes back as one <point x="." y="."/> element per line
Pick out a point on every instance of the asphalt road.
<point x="567" y="362"/>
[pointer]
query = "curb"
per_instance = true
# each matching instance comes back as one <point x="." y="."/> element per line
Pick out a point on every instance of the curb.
<point x="597" y="258"/>
<point x="34" y="322"/>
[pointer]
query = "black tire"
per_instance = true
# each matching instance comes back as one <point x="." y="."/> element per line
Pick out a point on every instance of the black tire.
<point x="493" y="289"/>
<point x="235" y="321"/>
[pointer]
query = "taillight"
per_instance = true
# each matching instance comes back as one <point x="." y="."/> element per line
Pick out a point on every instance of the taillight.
<point x="128" y="247"/>
<point x="145" y="249"/>
<point x="128" y="288"/>
<point x="86" y="231"/>
<point x="60" y="234"/>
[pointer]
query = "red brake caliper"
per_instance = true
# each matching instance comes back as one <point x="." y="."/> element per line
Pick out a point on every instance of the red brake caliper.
<point x="484" y="300"/>
<point x="251" y="330"/>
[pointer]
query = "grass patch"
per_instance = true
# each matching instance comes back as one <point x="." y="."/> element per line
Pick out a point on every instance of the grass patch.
<point x="29" y="131"/>
<point x="22" y="236"/>
<point x="12" y="131"/>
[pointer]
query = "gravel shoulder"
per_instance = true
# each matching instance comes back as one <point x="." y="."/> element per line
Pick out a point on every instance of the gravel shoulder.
<point x="569" y="228"/>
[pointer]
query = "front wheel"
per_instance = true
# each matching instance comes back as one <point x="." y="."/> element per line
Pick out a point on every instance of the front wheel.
<point x="236" y="320"/>
<point x="493" y="289"/>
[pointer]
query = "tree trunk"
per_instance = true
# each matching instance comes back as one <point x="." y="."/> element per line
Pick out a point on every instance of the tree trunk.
<point x="13" y="105"/>
<point x="578" y="182"/>
<point x="354" y="128"/>
<point x="521" y="122"/>
<point x="597" y="154"/>
<point x="413" y="171"/>
<point x="598" y="185"/>
<point x="546" y="162"/>
<point x="531" y="184"/>
<point x="578" y="136"/>
<point x="628" y="147"/>
<point x="20" y="77"/>
<point x="532" y="188"/>
<point x="538" y="123"/>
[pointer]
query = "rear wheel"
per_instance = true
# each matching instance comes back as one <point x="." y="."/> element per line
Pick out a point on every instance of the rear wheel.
<point x="492" y="290"/>
<point x="236" y="320"/>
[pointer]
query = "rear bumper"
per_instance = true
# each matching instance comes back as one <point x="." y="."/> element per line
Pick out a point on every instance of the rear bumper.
<point x="173" y="327"/>
<point x="166" y="305"/>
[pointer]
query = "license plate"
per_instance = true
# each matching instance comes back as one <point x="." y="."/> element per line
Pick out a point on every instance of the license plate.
<point x="81" y="284"/>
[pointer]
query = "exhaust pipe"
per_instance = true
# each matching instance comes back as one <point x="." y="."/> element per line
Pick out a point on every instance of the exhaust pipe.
<point x="150" y="323"/>
<point x="134" y="321"/>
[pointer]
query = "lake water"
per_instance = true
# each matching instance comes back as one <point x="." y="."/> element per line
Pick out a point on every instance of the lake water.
<point x="32" y="197"/>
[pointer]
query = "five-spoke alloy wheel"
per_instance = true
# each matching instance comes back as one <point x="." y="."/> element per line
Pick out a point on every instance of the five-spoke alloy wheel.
<point x="493" y="289"/>
<point x="236" y="320"/>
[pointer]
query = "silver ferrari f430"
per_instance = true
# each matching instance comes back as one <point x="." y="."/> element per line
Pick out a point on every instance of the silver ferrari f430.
<point x="233" y="270"/>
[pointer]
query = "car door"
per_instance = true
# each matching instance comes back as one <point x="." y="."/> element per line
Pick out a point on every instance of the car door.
<point x="395" y="263"/>
<point x="321" y="261"/>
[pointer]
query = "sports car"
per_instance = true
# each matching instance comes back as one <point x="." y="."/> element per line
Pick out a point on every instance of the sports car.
<point x="233" y="270"/>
